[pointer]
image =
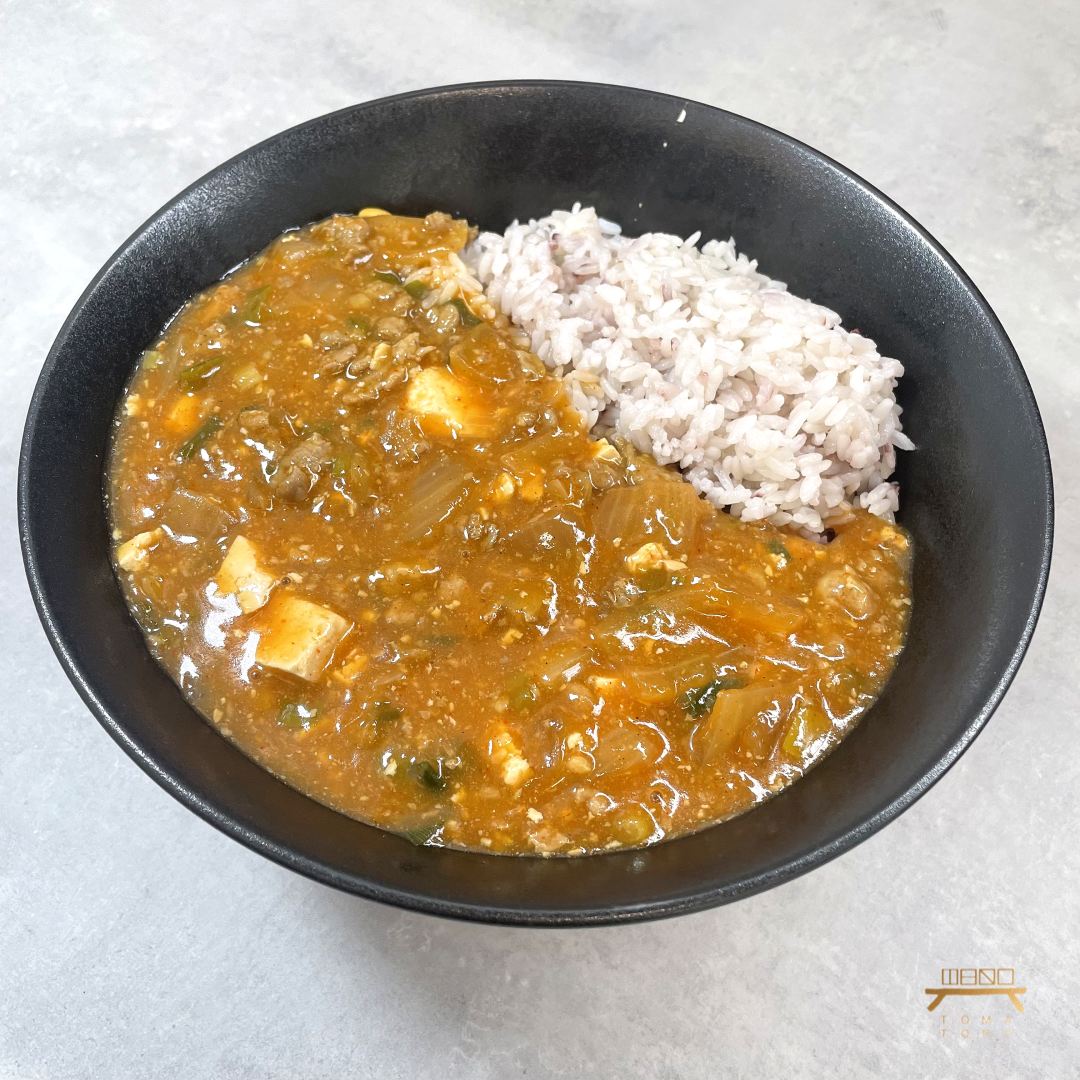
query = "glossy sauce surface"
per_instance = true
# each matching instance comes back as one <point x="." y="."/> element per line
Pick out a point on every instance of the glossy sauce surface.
<point x="367" y="534"/>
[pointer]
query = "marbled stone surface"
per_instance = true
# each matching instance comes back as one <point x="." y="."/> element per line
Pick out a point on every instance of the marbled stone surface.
<point x="137" y="942"/>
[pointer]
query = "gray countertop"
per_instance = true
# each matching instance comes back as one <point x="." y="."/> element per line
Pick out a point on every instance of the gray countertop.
<point x="136" y="941"/>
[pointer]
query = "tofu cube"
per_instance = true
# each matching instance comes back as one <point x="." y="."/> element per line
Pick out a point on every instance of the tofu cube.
<point x="447" y="405"/>
<point x="134" y="554"/>
<point x="508" y="759"/>
<point x="298" y="637"/>
<point x="242" y="575"/>
<point x="503" y="488"/>
<point x="185" y="415"/>
<point x="652" y="557"/>
<point x="516" y="770"/>
<point x="602" y="450"/>
<point x="531" y="487"/>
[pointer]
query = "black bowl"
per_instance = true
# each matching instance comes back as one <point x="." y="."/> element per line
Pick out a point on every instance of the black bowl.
<point x="976" y="494"/>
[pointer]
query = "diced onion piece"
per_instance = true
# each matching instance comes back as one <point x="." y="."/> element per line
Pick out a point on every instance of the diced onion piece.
<point x="435" y="495"/>
<point x="563" y="662"/>
<point x="485" y="357"/>
<point x="808" y="724"/>
<point x="247" y="377"/>
<point x="846" y="590"/>
<point x="626" y="746"/>
<point x="663" y="684"/>
<point x="527" y="599"/>
<point x="773" y="616"/>
<point x="526" y="460"/>
<point x="665" y="512"/>
<point x="551" y="533"/>
<point x="733" y="711"/>
<point x="188" y="514"/>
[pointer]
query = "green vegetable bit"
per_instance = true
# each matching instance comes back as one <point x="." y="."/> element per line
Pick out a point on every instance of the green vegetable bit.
<point x="443" y="639"/>
<point x="340" y="465"/>
<point x="851" y="681"/>
<point x="427" y="774"/>
<point x="152" y="358"/>
<point x="358" y="322"/>
<point x="656" y="579"/>
<point x="253" y="310"/>
<point x="387" y="276"/>
<point x="190" y="378"/>
<point x="417" y="289"/>
<point x="197" y="441"/>
<point x="467" y="317"/>
<point x="422" y="833"/>
<point x="295" y="715"/>
<point x="386" y="713"/>
<point x="700" y="700"/>
<point x="521" y="693"/>
<point x="776" y="547"/>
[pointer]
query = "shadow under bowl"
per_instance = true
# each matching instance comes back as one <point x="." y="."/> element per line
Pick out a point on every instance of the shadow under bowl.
<point x="976" y="495"/>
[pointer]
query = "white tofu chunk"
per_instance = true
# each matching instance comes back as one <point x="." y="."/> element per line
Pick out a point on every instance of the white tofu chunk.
<point x="652" y="557"/>
<point x="506" y="756"/>
<point x="298" y="637"/>
<point x="242" y="574"/>
<point x="447" y="405"/>
<point x="516" y="770"/>
<point x="134" y="554"/>
<point x="602" y="450"/>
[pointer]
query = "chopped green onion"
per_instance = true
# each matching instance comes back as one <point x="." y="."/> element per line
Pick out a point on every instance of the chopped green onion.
<point x="655" y="579"/>
<point x="340" y="465"/>
<point x="294" y="715"/>
<point x="417" y="289"/>
<point x="152" y="358"/>
<point x="197" y="441"/>
<point x="191" y="377"/>
<point x="422" y="833"/>
<point x="252" y="311"/>
<point x="700" y="700"/>
<point x="521" y="693"/>
<point x="358" y="322"/>
<point x="387" y="276"/>
<point x="427" y="774"/>
<point x="467" y="317"/>
<point x="776" y="547"/>
<point x="386" y="713"/>
<point x="807" y="726"/>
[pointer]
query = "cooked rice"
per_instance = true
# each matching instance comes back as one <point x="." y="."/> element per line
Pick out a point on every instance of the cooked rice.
<point x="764" y="401"/>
